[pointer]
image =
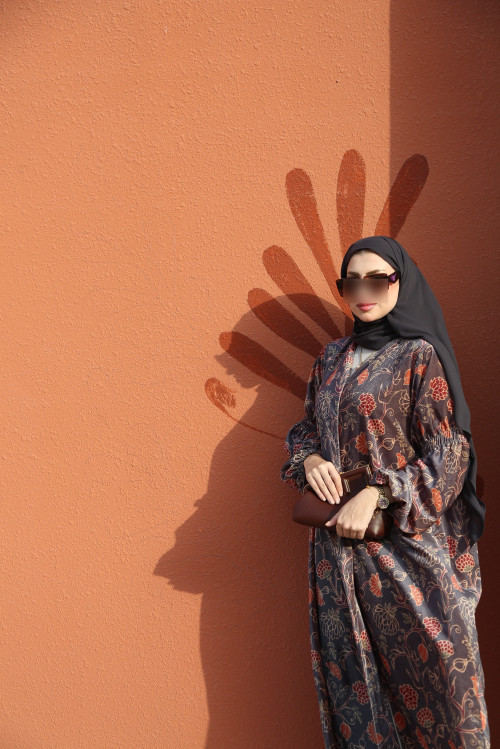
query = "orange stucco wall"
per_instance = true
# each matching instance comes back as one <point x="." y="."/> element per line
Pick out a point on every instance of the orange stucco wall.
<point x="179" y="181"/>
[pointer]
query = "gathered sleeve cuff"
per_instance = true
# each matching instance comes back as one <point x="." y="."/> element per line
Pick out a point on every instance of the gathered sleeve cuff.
<point x="302" y="438"/>
<point x="423" y="489"/>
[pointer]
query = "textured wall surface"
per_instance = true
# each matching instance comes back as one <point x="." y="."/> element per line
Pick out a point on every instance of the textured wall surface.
<point x="162" y="165"/>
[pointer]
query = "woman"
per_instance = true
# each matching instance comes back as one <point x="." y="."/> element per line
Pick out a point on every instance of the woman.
<point x="394" y="643"/>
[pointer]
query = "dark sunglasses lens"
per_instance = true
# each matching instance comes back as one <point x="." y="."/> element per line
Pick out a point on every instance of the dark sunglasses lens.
<point x="352" y="286"/>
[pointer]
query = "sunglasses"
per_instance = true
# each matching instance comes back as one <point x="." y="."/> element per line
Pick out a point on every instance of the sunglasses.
<point x="373" y="285"/>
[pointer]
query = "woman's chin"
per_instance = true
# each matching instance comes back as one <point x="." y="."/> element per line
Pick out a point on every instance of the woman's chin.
<point x="371" y="314"/>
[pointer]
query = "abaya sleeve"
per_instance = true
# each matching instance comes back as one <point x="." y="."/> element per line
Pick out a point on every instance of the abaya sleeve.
<point x="302" y="438"/>
<point x="426" y="487"/>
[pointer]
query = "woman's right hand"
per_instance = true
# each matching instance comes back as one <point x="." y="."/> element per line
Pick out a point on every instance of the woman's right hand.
<point x="323" y="478"/>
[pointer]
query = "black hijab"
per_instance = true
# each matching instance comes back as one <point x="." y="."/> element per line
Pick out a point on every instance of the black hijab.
<point x="417" y="314"/>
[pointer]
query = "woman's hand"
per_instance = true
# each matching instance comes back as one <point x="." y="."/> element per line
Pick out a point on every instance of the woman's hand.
<point x="353" y="518"/>
<point x="323" y="477"/>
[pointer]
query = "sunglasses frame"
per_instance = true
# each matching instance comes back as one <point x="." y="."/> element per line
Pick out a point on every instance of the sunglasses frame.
<point x="361" y="282"/>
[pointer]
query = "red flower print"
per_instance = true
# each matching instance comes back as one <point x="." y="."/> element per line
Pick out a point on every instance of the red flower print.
<point x="425" y="717"/>
<point x="311" y="595"/>
<point x="465" y="562"/>
<point x="315" y="658"/>
<point x="418" y="370"/>
<point x="386" y="562"/>
<point x="442" y="667"/>
<point x="361" y="443"/>
<point x="365" y="642"/>
<point x="374" y="736"/>
<point x="362" y="377"/>
<point x="474" y="684"/>
<point x="420" y="426"/>
<point x="432" y="626"/>
<point x="366" y="404"/>
<point x="452" y="545"/>
<point x="334" y="669"/>
<point x="373" y="548"/>
<point x="323" y="568"/>
<point x="417" y="594"/>
<point x="363" y="638"/>
<point x="409" y="696"/>
<point x="376" y="426"/>
<point x="439" y="388"/>
<point x="437" y="500"/>
<point x="445" y="647"/>
<point x="483" y="720"/>
<point x="399" y="720"/>
<point x="417" y="537"/>
<point x="421" y="739"/>
<point x="319" y="596"/>
<point x="455" y="583"/>
<point x="345" y="730"/>
<point x="361" y="692"/>
<point x="444" y="427"/>
<point x="401" y="460"/>
<point x="451" y="403"/>
<point x="385" y="662"/>
<point x="423" y="652"/>
<point x="375" y="585"/>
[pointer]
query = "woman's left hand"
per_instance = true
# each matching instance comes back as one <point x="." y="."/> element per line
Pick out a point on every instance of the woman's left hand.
<point x="353" y="518"/>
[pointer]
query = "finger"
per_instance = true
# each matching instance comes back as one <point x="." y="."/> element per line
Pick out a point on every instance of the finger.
<point x="329" y="483"/>
<point x="332" y="521"/>
<point x="325" y="490"/>
<point x="332" y="471"/>
<point x="312" y="482"/>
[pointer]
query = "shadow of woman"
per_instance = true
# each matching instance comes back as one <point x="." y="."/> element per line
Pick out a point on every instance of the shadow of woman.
<point x="243" y="552"/>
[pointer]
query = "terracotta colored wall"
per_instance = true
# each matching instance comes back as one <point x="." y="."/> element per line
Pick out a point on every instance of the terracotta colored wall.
<point x="178" y="183"/>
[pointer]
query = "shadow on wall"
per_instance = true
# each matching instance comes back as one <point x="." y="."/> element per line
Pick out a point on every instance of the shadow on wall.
<point x="333" y="319"/>
<point x="240" y="548"/>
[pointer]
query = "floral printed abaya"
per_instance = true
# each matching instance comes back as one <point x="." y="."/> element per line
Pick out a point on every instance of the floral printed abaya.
<point x="394" y="646"/>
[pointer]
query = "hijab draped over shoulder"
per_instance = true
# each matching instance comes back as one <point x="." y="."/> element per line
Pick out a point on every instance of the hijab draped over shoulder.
<point x="417" y="314"/>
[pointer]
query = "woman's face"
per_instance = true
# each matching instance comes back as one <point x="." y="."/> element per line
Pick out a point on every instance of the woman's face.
<point x="365" y="263"/>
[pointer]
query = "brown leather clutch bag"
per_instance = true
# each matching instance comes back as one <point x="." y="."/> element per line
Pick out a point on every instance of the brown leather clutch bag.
<point x="311" y="510"/>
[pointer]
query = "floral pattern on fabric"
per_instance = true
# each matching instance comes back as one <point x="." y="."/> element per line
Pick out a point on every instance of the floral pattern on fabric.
<point x="394" y="647"/>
